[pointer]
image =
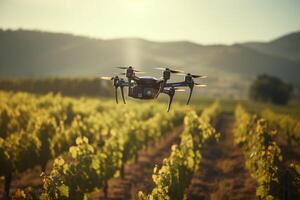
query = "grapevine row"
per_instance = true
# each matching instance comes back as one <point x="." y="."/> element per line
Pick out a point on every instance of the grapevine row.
<point x="91" y="167"/>
<point x="177" y="170"/>
<point x="287" y="125"/>
<point x="35" y="129"/>
<point x="264" y="158"/>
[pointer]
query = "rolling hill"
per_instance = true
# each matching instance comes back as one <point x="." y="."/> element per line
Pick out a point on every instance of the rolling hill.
<point x="26" y="53"/>
<point x="287" y="46"/>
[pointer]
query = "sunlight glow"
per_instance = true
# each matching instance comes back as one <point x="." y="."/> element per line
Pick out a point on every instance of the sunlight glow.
<point x="215" y="21"/>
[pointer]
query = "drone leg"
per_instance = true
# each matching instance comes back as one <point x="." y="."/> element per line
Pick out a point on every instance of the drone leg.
<point x="170" y="102"/>
<point x="116" y="94"/>
<point x="122" y="93"/>
<point x="191" y="91"/>
<point x="171" y="93"/>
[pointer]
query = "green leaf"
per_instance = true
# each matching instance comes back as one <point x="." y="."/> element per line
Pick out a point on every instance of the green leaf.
<point x="79" y="141"/>
<point x="64" y="190"/>
<point x="73" y="151"/>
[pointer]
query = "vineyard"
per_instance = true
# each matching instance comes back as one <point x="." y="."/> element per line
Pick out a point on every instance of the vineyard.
<point x="56" y="147"/>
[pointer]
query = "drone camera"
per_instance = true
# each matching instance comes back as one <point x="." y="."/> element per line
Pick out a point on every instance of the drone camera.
<point x="143" y="93"/>
<point x="150" y="92"/>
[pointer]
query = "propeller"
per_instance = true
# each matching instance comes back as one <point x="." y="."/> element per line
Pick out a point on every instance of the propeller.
<point x="192" y="75"/>
<point x="108" y="78"/>
<point x="137" y="71"/>
<point x="179" y="90"/>
<point x="200" y="85"/>
<point x="122" y="67"/>
<point x="171" y="70"/>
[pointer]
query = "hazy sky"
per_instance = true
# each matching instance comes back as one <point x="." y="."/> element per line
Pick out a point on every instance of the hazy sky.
<point x="202" y="21"/>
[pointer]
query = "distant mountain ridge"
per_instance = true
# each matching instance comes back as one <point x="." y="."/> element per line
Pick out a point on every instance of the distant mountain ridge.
<point x="287" y="46"/>
<point x="25" y="53"/>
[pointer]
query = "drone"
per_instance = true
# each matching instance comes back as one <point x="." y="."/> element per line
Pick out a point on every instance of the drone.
<point x="148" y="87"/>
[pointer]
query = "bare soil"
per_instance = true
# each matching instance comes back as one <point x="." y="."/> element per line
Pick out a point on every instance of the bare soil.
<point x="222" y="174"/>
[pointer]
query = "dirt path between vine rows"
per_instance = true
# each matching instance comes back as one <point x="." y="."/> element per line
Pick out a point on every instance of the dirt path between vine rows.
<point x="138" y="176"/>
<point x="222" y="174"/>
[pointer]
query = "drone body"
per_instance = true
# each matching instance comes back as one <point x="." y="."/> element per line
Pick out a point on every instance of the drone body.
<point x="147" y="87"/>
<point x="144" y="88"/>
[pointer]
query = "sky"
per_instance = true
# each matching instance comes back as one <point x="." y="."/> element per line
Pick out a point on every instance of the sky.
<point x="201" y="21"/>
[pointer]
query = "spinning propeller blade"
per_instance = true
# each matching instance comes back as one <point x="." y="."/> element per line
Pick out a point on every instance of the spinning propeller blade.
<point x="200" y="85"/>
<point x="135" y="70"/>
<point x="139" y="72"/>
<point x="198" y="76"/>
<point x="159" y="68"/>
<point x="108" y="78"/>
<point x="179" y="90"/>
<point x="122" y="67"/>
<point x="171" y="70"/>
<point x="192" y="75"/>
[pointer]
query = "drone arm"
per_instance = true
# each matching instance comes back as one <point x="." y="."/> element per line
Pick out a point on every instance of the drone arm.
<point x="177" y="84"/>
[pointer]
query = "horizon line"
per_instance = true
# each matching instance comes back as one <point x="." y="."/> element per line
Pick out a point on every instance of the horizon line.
<point x="145" y="39"/>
